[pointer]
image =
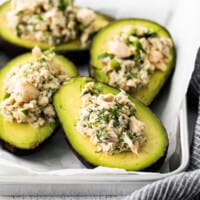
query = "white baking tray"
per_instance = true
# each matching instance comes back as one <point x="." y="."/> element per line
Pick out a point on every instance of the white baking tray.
<point x="112" y="183"/>
<point x="103" y="184"/>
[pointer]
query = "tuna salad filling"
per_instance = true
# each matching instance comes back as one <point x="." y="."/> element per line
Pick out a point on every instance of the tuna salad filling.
<point x="133" y="56"/>
<point x="51" y="21"/>
<point x="29" y="90"/>
<point x="110" y="121"/>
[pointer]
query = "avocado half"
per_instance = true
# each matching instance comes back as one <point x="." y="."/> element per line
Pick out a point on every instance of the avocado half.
<point x="147" y="93"/>
<point x="9" y="35"/>
<point x="23" y="138"/>
<point x="67" y="102"/>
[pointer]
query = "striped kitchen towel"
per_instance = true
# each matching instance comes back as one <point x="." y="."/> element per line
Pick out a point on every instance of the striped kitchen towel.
<point x="186" y="185"/>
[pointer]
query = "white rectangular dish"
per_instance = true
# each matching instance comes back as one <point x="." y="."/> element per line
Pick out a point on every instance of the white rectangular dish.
<point x="16" y="181"/>
<point x="99" y="184"/>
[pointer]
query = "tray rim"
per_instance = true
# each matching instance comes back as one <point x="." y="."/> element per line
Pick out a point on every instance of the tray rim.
<point x="114" y="178"/>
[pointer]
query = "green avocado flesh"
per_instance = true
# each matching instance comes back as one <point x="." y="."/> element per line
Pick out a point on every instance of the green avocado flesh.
<point x="9" y="34"/>
<point x="147" y="93"/>
<point x="67" y="102"/>
<point x="24" y="136"/>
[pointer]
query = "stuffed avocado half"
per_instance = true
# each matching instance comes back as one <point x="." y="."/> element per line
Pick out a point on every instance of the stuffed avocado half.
<point x="27" y="86"/>
<point x="107" y="127"/>
<point x="136" y="55"/>
<point x="49" y="23"/>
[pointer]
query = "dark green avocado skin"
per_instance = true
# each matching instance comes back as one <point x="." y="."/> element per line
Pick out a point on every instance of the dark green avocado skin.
<point x="78" y="57"/>
<point x="25" y="152"/>
<point x="10" y="49"/>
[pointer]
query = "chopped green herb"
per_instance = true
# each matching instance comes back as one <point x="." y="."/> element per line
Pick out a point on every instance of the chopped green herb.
<point x="132" y="112"/>
<point x="132" y="31"/>
<point x="25" y="112"/>
<point x="41" y="60"/>
<point x="20" y="12"/>
<point x="139" y="49"/>
<point x="49" y="51"/>
<point x="114" y="64"/>
<point x="137" y="57"/>
<point x="106" y="118"/>
<point x="114" y="112"/>
<point x="63" y="4"/>
<point x="7" y="95"/>
<point x="138" y="45"/>
<point x="46" y="34"/>
<point x="116" y="123"/>
<point x="96" y="123"/>
<point x="150" y="34"/>
<point x="25" y="75"/>
<point x="118" y="105"/>
<point x="18" y="30"/>
<point x="99" y="136"/>
<point x="50" y="90"/>
<point x="81" y="26"/>
<point x="132" y="57"/>
<point x="56" y="39"/>
<point x="92" y="34"/>
<point x="40" y="17"/>
<point x="93" y="91"/>
<point x="131" y="75"/>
